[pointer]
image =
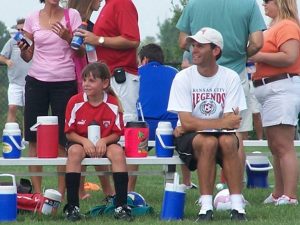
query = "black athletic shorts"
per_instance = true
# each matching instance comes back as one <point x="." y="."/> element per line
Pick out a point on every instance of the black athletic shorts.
<point x="184" y="147"/>
<point x="40" y="96"/>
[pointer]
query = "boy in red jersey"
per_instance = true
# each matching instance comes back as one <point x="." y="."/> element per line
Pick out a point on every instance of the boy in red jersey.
<point x="95" y="104"/>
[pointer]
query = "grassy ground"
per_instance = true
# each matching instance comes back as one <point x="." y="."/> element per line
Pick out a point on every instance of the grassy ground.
<point x="151" y="187"/>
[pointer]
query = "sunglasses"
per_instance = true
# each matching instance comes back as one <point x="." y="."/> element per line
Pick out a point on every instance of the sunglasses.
<point x="267" y="1"/>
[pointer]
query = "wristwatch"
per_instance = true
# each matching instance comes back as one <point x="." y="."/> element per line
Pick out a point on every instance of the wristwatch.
<point x="101" y="40"/>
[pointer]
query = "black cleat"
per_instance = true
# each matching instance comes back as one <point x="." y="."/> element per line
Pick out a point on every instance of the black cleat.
<point x="72" y="213"/>
<point x="123" y="213"/>
<point x="237" y="216"/>
<point x="208" y="216"/>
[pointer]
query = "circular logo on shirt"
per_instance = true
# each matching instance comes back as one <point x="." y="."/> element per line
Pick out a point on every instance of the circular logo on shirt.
<point x="208" y="107"/>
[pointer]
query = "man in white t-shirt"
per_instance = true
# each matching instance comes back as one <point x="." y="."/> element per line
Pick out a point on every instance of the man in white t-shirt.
<point x="208" y="98"/>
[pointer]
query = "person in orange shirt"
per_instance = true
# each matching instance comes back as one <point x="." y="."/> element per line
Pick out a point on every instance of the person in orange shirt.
<point x="277" y="88"/>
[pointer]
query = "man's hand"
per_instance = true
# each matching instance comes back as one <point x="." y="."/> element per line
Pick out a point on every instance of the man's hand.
<point x="232" y="120"/>
<point x="88" y="37"/>
<point x="9" y="63"/>
<point x="100" y="148"/>
<point x="89" y="148"/>
<point x="178" y="131"/>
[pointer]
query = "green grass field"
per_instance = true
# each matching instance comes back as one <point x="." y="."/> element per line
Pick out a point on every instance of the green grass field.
<point x="152" y="188"/>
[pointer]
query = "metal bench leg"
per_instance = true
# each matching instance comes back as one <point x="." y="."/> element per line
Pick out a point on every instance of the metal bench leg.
<point x="169" y="171"/>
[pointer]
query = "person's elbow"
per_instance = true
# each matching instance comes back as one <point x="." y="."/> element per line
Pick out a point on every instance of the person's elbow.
<point x="182" y="45"/>
<point x="290" y="60"/>
<point x="258" y="45"/>
<point x="135" y="44"/>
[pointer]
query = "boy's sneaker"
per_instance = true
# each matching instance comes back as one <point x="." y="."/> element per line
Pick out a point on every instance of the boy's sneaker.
<point x="237" y="216"/>
<point x="286" y="200"/>
<point x="123" y="213"/>
<point x="205" y="216"/>
<point x="72" y="213"/>
<point x="270" y="199"/>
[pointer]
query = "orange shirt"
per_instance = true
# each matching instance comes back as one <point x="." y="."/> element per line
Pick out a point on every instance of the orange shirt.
<point x="274" y="37"/>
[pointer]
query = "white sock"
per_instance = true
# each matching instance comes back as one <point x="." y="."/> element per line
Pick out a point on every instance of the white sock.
<point x="237" y="202"/>
<point x="206" y="203"/>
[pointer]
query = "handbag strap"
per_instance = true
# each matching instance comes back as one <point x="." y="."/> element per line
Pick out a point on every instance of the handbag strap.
<point x="67" y="18"/>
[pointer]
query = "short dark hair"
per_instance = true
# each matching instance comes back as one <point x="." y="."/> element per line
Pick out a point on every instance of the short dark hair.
<point x="153" y="52"/>
<point x="20" y="21"/>
<point x="212" y="45"/>
<point x="42" y="1"/>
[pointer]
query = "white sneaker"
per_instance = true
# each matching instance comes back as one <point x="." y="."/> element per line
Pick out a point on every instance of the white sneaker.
<point x="270" y="199"/>
<point x="286" y="200"/>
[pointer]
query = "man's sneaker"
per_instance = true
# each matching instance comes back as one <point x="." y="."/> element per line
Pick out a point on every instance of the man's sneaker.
<point x="72" y="213"/>
<point x="270" y="199"/>
<point x="237" y="216"/>
<point x="205" y="216"/>
<point x="123" y="213"/>
<point x="286" y="200"/>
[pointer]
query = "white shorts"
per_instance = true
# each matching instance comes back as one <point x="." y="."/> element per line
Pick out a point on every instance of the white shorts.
<point x="246" y="124"/>
<point x="128" y="93"/>
<point x="254" y="105"/>
<point x="280" y="101"/>
<point x="16" y="95"/>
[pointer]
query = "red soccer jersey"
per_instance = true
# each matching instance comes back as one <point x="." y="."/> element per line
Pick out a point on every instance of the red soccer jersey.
<point x="80" y="113"/>
<point x="118" y="18"/>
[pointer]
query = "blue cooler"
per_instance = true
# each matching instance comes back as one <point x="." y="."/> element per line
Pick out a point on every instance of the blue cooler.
<point x="164" y="139"/>
<point x="257" y="168"/>
<point x="12" y="141"/>
<point x="173" y="201"/>
<point x="8" y="200"/>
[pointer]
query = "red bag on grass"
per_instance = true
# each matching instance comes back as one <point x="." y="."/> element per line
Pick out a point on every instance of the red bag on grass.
<point x="30" y="202"/>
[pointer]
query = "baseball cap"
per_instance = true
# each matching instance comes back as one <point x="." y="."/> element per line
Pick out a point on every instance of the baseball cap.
<point x="207" y="35"/>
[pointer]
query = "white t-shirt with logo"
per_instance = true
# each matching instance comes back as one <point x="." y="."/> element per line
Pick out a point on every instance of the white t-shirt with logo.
<point x="206" y="97"/>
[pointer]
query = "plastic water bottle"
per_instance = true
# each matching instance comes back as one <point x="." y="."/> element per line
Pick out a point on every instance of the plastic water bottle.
<point x="77" y="40"/>
<point x="250" y="66"/>
<point x="21" y="37"/>
<point x="91" y="53"/>
<point x="94" y="132"/>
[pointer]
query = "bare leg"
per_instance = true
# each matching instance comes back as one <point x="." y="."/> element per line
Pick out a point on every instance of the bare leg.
<point x="132" y="179"/>
<point x="231" y="163"/>
<point x="82" y="193"/>
<point x="36" y="180"/>
<point x="258" y="125"/>
<point x="186" y="175"/>
<point x="12" y="112"/>
<point x="241" y="153"/>
<point x="281" y="142"/>
<point x="61" y="178"/>
<point x="205" y="148"/>
<point x="107" y="188"/>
